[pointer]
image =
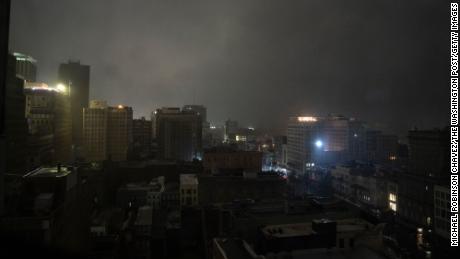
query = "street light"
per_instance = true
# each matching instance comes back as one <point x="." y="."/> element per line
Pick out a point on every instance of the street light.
<point x="318" y="143"/>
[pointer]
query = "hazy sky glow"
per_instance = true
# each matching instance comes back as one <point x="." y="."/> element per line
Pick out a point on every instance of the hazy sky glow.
<point x="256" y="61"/>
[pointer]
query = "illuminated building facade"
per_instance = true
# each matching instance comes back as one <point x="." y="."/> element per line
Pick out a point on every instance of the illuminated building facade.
<point x="178" y="134"/>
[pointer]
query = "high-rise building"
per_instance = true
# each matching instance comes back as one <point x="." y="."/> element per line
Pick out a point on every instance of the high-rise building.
<point x="200" y="110"/>
<point x="4" y="33"/>
<point x="142" y="136"/>
<point x="178" y="134"/>
<point x="107" y="132"/>
<point x="76" y="77"/>
<point x="302" y="141"/>
<point x="428" y="166"/>
<point x="119" y="132"/>
<point x="26" y="67"/>
<point x="95" y="131"/>
<point x="48" y="114"/>
<point x="15" y="122"/>
<point x="357" y="140"/>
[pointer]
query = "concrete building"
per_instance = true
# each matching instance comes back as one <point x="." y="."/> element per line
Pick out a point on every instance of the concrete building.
<point x="200" y="110"/>
<point x="95" y="127"/>
<point x="26" y="67"/>
<point x="48" y="113"/>
<point x="76" y="77"/>
<point x="227" y="160"/>
<point x="188" y="190"/>
<point x="302" y="135"/>
<point x="119" y="132"/>
<point x="220" y="189"/>
<point x="365" y="186"/>
<point x="178" y="134"/>
<point x="428" y="166"/>
<point x="4" y="36"/>
<point x="107" y="132"/>
<point x="280" y="148"/>
<point x="142" y="137"/>
<point x="442" y="211"/>
<point x="231" y="128"/>
<point x="142" y="194"/>
<point x="15" y="127"/>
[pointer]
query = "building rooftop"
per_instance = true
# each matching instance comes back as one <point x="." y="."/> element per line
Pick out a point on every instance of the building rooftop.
<point x="305" y="229"/>
<point x="57" y="171"/>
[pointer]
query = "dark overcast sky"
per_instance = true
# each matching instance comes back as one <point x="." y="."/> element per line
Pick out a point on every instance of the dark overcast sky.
<point x="256" y="61"/>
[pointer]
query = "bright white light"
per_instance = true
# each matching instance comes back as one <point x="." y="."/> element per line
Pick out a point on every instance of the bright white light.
<point x="120" y="106"/>
<point x="318" y="143"/>
<point x="307" y="119"/>
<point x="61" y="88"/>
<point x="355" y="135"/>
<point x="250" y="128"/>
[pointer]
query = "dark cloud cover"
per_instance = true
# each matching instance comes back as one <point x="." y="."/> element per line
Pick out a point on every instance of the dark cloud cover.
<point x="257" y="61"/>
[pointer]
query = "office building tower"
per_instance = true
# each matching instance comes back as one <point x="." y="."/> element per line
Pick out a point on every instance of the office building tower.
<point x="76" y="77"/>
<point x="200" y="110"/>
<point x="142" y="137"/>
<point x="15" y="123"/>
<point x="302" y="142"/>
<point x="119" y="132"/>
<point x="428" y="166"/>
<point x="49" y="120"/>
<point x="178" y="134"/>
<point x="107" y="132"/>
<point x="26" y="67"/>
<point x="357" y="140"/>
<point x="95" y="131"/>
<point x="4" y="33"/>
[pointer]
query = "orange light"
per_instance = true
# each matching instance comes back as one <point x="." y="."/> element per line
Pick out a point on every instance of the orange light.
<point x="120" y="106"/>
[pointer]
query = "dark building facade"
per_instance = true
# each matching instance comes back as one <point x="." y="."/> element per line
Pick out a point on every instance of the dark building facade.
<point x="76" y="76"/>
<point x="142" y="136"/>
<point x="26" y="67"/>
<point x="178" y="134"/>
<point x="4" y="30"/>
<point x="428" y="166"/>
<point x="15" y="123"/>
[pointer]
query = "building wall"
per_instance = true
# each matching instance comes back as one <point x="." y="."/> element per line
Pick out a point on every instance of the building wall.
<point x="95" y="125"/>
<point x="119" y="132"/>
<point x="178" y="135"/>
<point x="76" y="76"/>
<point x="442" y="211"/>
<point x="246" y="160"/>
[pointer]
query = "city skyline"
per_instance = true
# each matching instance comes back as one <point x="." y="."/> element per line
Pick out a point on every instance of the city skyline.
<point x="284" y="58"/>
